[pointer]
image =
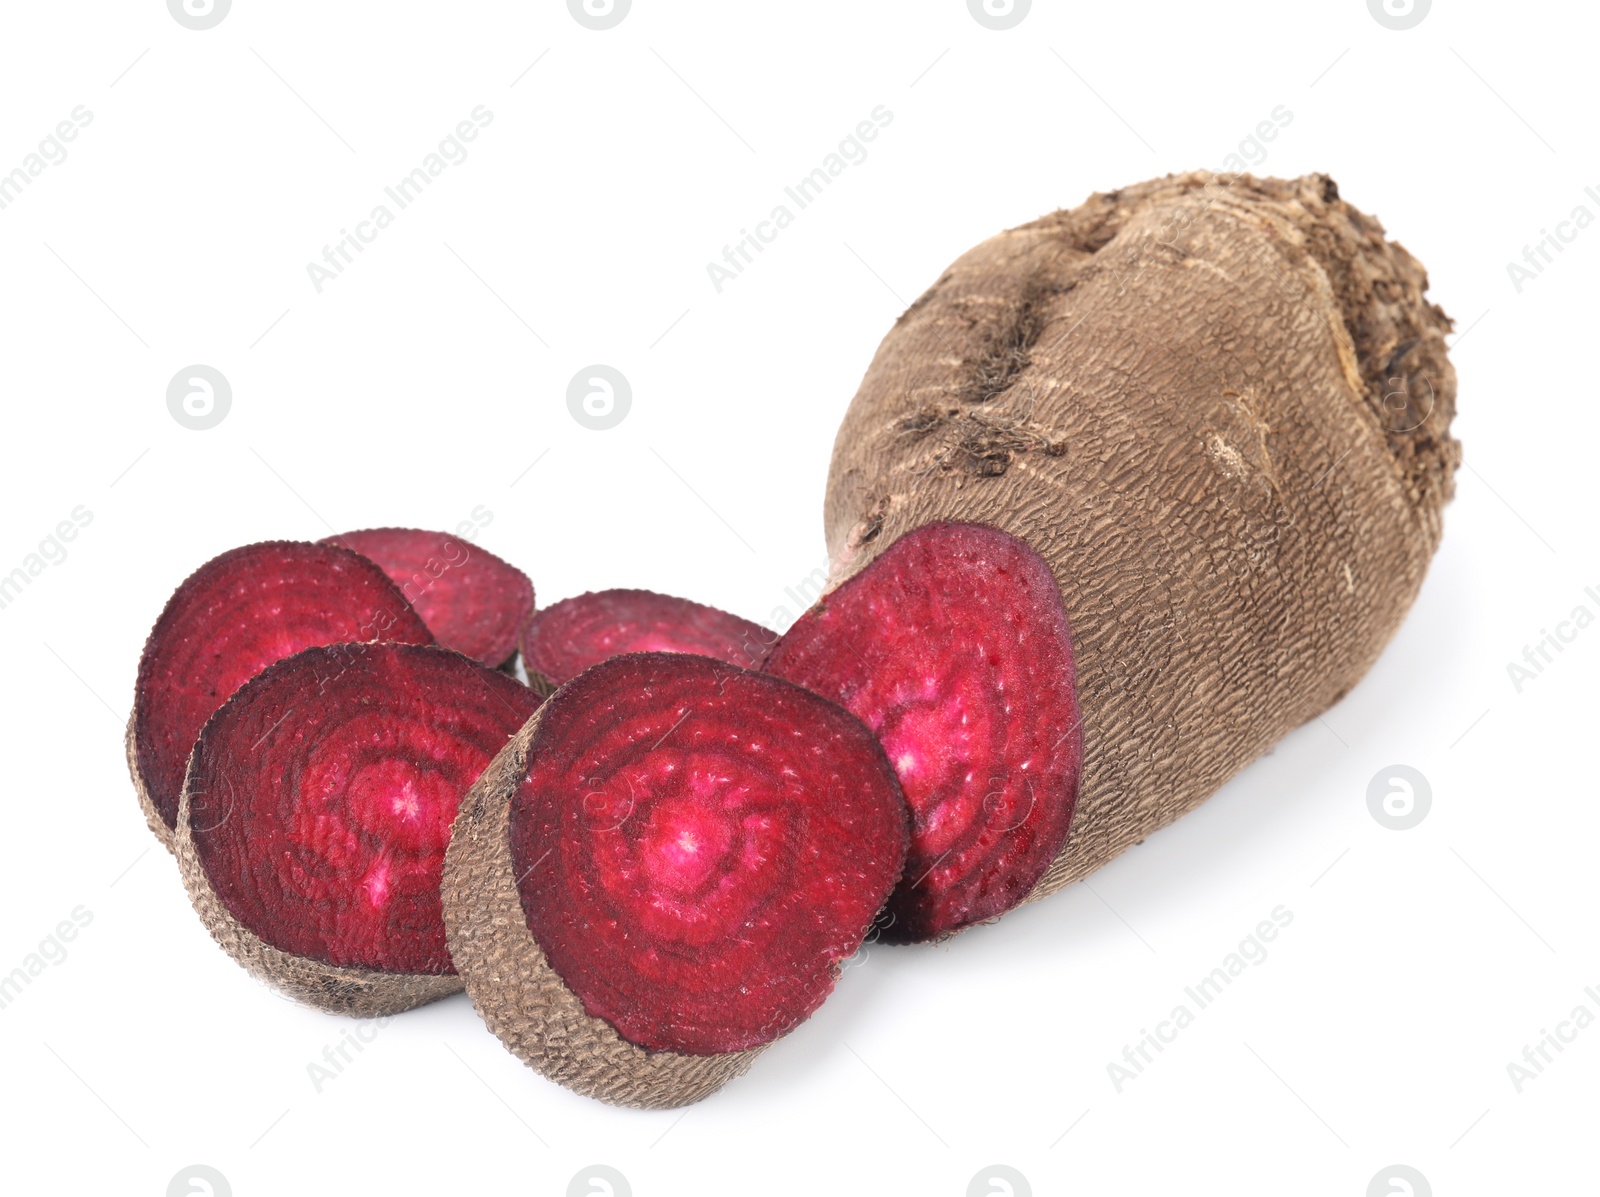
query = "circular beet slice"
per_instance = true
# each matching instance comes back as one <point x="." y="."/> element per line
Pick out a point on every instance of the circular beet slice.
<point x="316" y="812"/>
<point x="231" y="618"/>
<point x="565" y="639"/>
<point x="471" y="600"/>
<point x="953" y="647"/>
<point x="663" y="871"/>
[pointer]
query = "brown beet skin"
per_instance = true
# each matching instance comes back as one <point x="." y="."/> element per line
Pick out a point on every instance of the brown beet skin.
<point x="1219" y="406"/>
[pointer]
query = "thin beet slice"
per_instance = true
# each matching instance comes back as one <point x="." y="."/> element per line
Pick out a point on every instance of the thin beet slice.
<point x="565" y="639"/>
<point x="953" y="646"/>
<point x="698" y="847"/>
<point x="231" y="618"/>
<point x="471" y="600"/>
<point x="317" y="809"/>
<point x="663" y="871"/>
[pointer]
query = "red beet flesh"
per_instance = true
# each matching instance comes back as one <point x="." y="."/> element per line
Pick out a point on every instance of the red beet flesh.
<point x="322" y="795"/>
<point x="471" y="600"/>
<point x="698" y="848"/>
<point x="567" y="638"/>
<point x="234" y="616"/>
<point x="953" y="647"/>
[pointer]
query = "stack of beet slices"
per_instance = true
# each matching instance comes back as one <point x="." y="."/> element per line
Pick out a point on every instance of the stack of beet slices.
<point x="651" y="861"/>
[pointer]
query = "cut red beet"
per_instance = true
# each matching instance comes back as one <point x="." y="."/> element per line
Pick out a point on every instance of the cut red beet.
<point x="698" y="847"/>
<point x="564" y="640"/>
<point x="953" y="647"/>
<point x="471" y="600"/>
<point x="234" y="616"/>
<point x="321" y="796"/>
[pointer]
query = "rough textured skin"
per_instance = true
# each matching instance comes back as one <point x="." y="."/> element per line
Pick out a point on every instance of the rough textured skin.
<point x="152" y="817"/>
<point x="1219" y="407"/>
<point x="512" y="985"/>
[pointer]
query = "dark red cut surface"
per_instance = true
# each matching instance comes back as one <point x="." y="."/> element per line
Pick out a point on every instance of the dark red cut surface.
<point x="234" y="616"/>
<point x="953" y="647"/>
<point x="471" y="600"/>
<point x="565" y="639"/>
<point x="698" y="847"/>
<point x="323" y="792"/>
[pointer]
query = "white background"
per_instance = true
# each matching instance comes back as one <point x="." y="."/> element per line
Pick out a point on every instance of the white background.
<point x="429" y="377"/>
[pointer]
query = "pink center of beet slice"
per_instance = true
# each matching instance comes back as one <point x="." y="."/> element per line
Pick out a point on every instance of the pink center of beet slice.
<point x="234" y="616"/>
<point x="565" y="639"/>
<point x="471" y="600"/>
<point x="698" y="847"/>
<point x="323" y="793"/>
<point x="953" y="647"/>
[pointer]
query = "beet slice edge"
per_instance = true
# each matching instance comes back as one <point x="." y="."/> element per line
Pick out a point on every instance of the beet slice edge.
<point x="953" y="646"/>
<point x="316" y="811"/>
<point x="569" y="636"/>
<point x="472" y="601"/>
<point x="495" y="932"/>
<point x="235" y="615"/>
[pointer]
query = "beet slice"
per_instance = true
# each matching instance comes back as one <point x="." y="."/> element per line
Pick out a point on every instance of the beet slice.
<point x="663" y="871"/>
<point x="317" y="809"/>
<point x="953" y="646"/>
<point x="231" y="618"/>
<point x="471" y="600"/>
<point x="565" y="639"/>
